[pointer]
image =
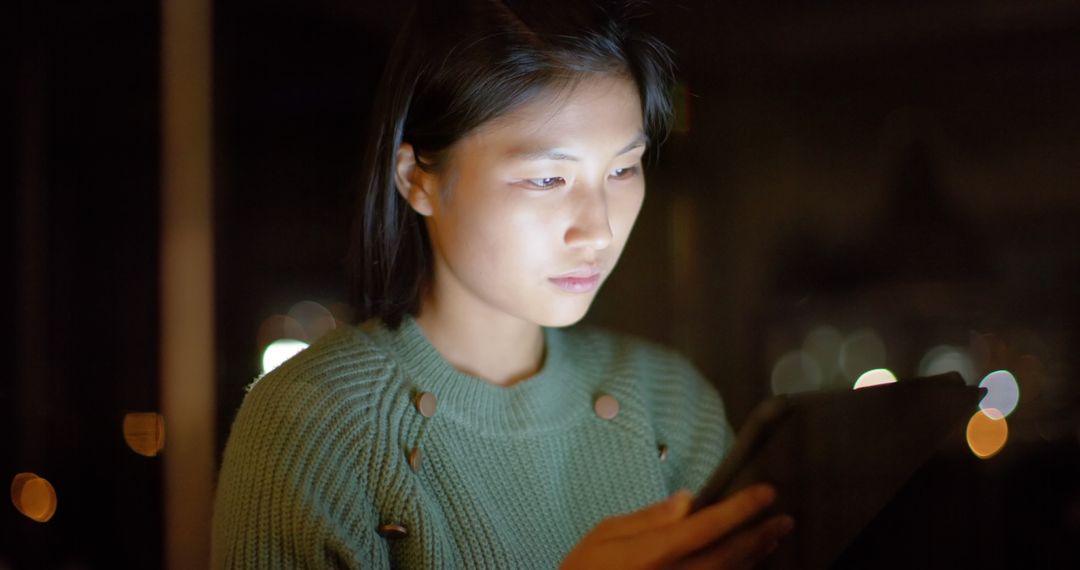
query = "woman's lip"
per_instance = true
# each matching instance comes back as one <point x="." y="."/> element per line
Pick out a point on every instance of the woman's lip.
<point x="584" y="271"/>
<point x="577" y="284"/>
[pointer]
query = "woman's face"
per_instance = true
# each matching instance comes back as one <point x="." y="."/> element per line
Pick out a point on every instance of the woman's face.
<point x="532" y="210"/>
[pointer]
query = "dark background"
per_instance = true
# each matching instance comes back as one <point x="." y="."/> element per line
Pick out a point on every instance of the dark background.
<point x="909" y="168"/>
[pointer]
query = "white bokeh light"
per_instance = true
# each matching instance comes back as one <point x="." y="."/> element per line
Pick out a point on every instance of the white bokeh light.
<point x="796" y="372"/>
<point x="279" y="351"/>
<point x="1003" y="394"/>
<point x="862" y="350"/>
<point x="823" y="344"/>
<point x="875" y="377"/>
<point x="945" y="358"/>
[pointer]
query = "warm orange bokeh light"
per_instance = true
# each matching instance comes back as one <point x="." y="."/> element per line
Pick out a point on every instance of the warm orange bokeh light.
<point x="987" y="432"/>
<point x="33" y="496"/>
<point x="144" y="432"/>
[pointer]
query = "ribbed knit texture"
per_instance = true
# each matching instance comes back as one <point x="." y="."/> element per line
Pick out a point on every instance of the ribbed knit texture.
<point x="511" y="477"/>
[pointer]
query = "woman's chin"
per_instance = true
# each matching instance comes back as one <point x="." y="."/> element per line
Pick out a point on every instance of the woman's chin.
<point x="565" y="314"/>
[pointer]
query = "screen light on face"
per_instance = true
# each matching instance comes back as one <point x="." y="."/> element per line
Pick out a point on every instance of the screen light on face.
<point x="279" y="351"/>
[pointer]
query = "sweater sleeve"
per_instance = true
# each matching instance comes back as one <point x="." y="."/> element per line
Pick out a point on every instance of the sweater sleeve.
<point x="290" y="492"/>
<point x="695" y="423"/>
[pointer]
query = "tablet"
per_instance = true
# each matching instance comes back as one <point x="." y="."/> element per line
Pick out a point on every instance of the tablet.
<point x="837" y="458"/>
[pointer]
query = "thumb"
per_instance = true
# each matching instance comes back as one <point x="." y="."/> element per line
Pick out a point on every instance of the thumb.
<point x="655" y="515"/>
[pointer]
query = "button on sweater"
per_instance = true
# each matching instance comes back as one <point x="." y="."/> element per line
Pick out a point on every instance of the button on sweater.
<point x="317" y="468"/>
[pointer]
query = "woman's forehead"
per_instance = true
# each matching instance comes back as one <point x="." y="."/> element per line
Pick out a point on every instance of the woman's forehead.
<point x="596" y="112"/>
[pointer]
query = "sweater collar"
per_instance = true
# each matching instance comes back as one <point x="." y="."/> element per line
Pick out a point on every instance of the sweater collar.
<point x="550" y="399"/>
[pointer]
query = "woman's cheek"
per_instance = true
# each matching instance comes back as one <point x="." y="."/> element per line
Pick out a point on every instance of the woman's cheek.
<point x="496" y="236"/>
<point x="625" y="212"/>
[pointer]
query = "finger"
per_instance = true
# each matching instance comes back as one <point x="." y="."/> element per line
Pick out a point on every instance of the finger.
<point x="658" y="514"/>
<point x="744" y="549"/>
<point x="708" y="525"/>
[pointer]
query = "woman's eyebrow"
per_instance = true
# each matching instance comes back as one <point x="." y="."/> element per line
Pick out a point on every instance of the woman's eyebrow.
<point x="556" y="154"/>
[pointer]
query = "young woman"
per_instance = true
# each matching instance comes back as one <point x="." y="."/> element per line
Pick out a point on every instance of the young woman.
<point x="459" y="424"/>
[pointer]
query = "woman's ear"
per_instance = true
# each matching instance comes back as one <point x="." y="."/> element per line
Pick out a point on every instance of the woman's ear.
<point x="415" y="185"/>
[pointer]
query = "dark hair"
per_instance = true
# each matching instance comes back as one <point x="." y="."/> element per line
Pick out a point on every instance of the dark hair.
<point x="454" y="66"/>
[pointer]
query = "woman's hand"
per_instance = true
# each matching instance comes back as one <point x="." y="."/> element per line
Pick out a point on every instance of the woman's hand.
<point x="662" y="535"/>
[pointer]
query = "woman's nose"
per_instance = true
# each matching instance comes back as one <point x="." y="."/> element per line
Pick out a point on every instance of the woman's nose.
<point x="590" y="226"/>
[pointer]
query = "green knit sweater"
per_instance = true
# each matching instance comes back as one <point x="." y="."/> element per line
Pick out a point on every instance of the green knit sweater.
<point x="317" y="465"/>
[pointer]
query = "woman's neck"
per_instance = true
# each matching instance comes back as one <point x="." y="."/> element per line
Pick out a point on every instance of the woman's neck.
<point x="498" y="348"/>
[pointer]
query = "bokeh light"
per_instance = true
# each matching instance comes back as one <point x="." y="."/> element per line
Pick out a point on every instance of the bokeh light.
<point x="341" y="311"/>
<point x="946" y="358"/>
<point x="279" y="351"/>
<point x="796" y="372"/>
<point x="875" y="377"/>
<point x="862" y="350"/>
<point x="33" y="496"/>
<point x="987" y="432"/>
<point x="315" y="319"/>
<point x="276" y="327"/>
<point x="282" y="336"/>
<point x="823" y="345"/>
<point x="144" y="432"/>
<point x="1003" y="393"/>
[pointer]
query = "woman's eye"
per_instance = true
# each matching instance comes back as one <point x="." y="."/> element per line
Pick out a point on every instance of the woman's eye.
<point x="546" y="183"/>
<point x="621" y="173"/>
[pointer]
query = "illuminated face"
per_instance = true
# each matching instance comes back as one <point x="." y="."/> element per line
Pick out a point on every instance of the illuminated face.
<point x="533" y="209"/>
